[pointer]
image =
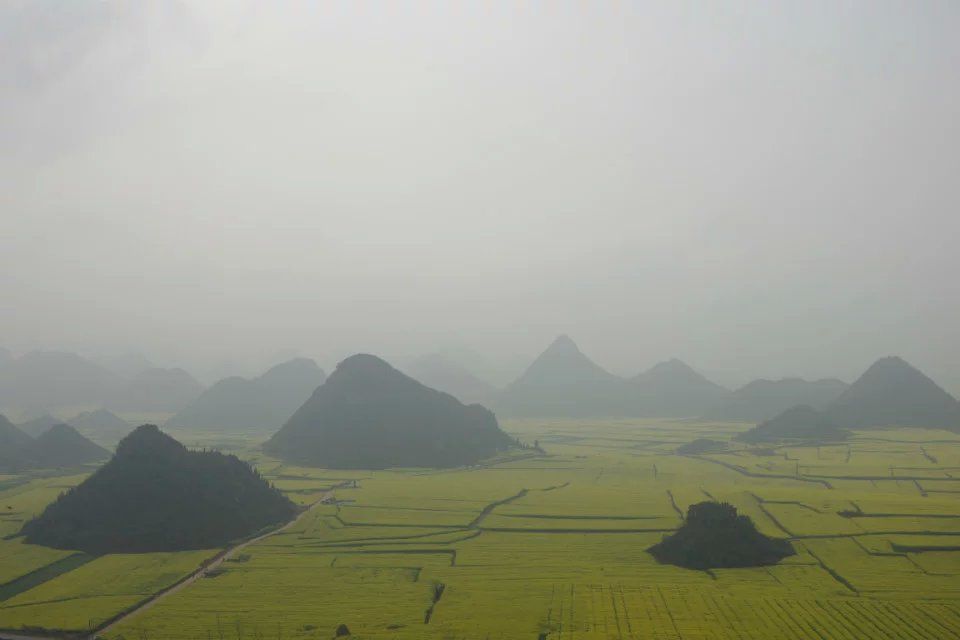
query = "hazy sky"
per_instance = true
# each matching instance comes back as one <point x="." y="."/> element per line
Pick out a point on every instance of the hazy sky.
<point x="759" y="188"/>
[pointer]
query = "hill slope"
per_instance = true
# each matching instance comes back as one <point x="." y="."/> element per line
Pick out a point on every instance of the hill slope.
<point x="443" y="374"/>
<point x="39" y="425"/>
<point x="797" y="423"/>
<point x="157" y="390"/>
<point x="44" y="379"/>
<point x="563" y="382"/>
<point x="764" y="399"/>
<point x="15" y="454"/>
<point x="368" y="415"/>
<point x="893" y="393"/>
<point x="155" y="495"/>
<point x="674" y="389"/>
<point x="63" y="446"/>
<point x="265" y="402"/>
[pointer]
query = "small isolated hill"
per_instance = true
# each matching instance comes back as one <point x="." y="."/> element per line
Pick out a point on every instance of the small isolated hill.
<point x="99" y="422"/>
<point x="674" y="389"/>
<point x="54" y="379"/>
<point x="441" y="373"/>
<point x="797" y="423"/>
<point x="764" y="399"/>
<point x="155" y="495"/>
<point x="701" y="445"/>
<point x="157" y="390"/>
<point x="38" y="425"/>
<point x="266" y="402"/>
<point x="15" y="453"/>
<point x="894" y="393"/>
<point x="714" y="536"/>
<point x="368" y="415"/>
<point x="564" y="383"/>
<point x="63" y="446"/>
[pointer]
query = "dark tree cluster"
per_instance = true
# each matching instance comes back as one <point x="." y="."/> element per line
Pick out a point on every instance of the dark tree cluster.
<point x="715" y="536"/>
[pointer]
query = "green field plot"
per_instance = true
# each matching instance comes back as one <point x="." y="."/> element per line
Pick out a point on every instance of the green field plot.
<point x="94" y="592"/>
<point x="551" y="546"/>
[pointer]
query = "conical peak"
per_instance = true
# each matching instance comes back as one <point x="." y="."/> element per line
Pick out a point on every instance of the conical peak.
<point x="364" y="363"/>
<point x="563" y="344"/>
<point x="148" y="439"/>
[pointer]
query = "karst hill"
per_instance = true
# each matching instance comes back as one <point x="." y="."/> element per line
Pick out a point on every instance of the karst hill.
<point x="156" y="495"/>
<point x="370" y="415"/>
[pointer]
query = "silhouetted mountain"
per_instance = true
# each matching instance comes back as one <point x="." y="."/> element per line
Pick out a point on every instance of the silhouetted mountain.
<point x="562" y="382"/>
<point x="764" y="399"/>
<point x="99" y="422"/>
<point x="54" y="379"/>
<point x="443" y="374"/>
<point x="62" y="446"/>
<point x="125" y="365"/>
<point x="39" y="425"/>
<point x="893" y="393"/>
<point x="15" y="454"/>
<point x="797" y="423"/>
<point x="368" y="415"/>
<point x="674" y="389"/>
<point x="262" y="403"/>
<point x="155" y="495"/>
<point x="160" y="390"/>
<point x="714" y="536"/>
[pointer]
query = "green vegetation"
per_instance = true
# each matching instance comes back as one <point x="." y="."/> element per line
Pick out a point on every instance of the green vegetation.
<point x="155" y="495"/>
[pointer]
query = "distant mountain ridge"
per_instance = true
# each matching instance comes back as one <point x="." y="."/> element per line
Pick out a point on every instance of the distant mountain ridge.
<point x="763" y="399"/>
<point x="265" y="402"/>
<point x="157" y="390"/>
<point x="47" y="379"/>
<point x="368" y="415"/>
<point x="58" y="446"/>
<point x="439" y="372"/>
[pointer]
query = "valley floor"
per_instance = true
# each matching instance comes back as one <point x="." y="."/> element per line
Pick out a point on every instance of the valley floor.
<point x="545" y="546"/>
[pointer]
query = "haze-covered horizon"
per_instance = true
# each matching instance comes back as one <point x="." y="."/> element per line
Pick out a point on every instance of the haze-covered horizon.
<point x="759" y="190"/>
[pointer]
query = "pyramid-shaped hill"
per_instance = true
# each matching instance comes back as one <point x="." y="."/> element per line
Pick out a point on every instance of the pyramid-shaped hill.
<point x="674" y="389"/>
<point x="443" y="374"/>
<point x="15" y="448"/>
<point x="63" y="446"/>
<point x="157" y="390"/>
<point x="39" y="425"/>
<point x="263" y="403"/>
<point x="797" y="423"/>
<point x="369" y="415"/>
<point x="155" y="495"/>
<point x="99" y="422"/>
<point x="893" y="393"/>
<point x="761" y="400"/>
<point x="714" y="536"/>
<point x="564" y="383"/>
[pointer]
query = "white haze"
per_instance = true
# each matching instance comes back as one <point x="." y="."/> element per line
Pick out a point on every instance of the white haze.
<point x="759" y="188"/>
